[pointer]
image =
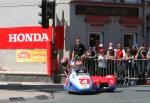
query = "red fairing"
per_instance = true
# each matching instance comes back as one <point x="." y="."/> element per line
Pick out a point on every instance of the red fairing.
<point x="110" y="79"/>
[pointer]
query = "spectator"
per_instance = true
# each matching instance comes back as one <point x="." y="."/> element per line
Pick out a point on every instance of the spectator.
<point x="119" y="52"/>
<point x="110" y="58"/>
<point x="96" y="48"/>
<point x="101" y="49"/>
<point x="65" y="66"/>
<point x="90" y="53"/>
<point x="134" y="51"/>
<point x="78" y="50"/>
<point x="141" y="54"/>
<point x="102" y="59"/>
<point x="102" y="63"/>
<point x="148" y="54"/>
<point x="110" y="53"/>
<point x="128" y="54"/>
<point x="110" y="45"/>
<point x="145" y="47"/>
<point x="148" y="67"/>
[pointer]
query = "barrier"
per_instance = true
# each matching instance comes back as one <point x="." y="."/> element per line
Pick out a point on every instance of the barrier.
<point x="128" y="71"/>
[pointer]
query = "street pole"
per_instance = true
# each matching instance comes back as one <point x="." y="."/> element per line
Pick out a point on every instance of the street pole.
<point x="53" y="46"/>
<point x="145" y="22"/>
<point x="53" y="27"/>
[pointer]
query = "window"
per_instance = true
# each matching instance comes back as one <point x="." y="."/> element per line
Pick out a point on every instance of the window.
<point x="131" y="1"/>
<point x="129" y="40"/>
<point x="98" y="36"/>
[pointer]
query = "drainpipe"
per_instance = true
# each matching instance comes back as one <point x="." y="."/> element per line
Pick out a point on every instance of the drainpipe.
<point x="145" y="23"/>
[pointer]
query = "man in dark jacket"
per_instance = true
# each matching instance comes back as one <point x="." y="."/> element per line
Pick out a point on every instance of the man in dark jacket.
<point x="78" y="49"/>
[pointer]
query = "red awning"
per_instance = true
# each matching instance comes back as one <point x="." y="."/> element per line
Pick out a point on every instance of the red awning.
<point x="97" y="19"/>
<point x="131" y="20"/>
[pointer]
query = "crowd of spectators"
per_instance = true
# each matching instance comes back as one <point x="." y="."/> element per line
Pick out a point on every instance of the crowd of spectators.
<point x="114" y="59"/>
<point x="98" y="51"/>
<point x="112" y="53"/>
<point x="101" y="54"/>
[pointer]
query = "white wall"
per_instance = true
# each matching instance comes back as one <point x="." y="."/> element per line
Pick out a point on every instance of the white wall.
<point x="20" y="13"/>
<point x="17" y="13"/>
<point x="78" y="27"/>
<point x="14" y="13"/>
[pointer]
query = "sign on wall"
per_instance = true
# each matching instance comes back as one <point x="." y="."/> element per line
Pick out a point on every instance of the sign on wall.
<point x="107" y="11"/>
<point x="24" y="38"/>
<point x="30" y="37"/>
<point x="28" y="49"/>
<point x="31" y="55"/>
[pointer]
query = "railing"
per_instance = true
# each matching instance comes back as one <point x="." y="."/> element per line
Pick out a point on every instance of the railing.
<point x="123" y="69"/>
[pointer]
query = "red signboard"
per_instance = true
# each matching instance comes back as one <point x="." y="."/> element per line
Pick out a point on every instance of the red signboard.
<point x="29" y="37"/>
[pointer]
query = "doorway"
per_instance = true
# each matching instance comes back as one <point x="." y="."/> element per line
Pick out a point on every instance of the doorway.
<point x="94" y="37"/>
<point x="129" y="40"/>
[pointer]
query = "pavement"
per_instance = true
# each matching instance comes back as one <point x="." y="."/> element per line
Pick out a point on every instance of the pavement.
<point x="29" y="85"/>
<point x="7" y="96"/>
<point x="23" y="91"/>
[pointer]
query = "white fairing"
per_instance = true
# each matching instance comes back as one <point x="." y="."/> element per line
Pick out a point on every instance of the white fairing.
<point x="80" y="80"/>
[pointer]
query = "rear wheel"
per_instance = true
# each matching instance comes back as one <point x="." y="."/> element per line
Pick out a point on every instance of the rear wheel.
<point x="111" y="90"/>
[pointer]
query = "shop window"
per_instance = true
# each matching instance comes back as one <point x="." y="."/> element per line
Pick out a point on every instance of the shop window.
<point x="129" y="40"/>
<point x="95" y="37"/>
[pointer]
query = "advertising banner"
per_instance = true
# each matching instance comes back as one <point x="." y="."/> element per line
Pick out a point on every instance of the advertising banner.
<point x="30" y="37"/>
<point x="31" y="55"/>
<point x="29" y="49"/>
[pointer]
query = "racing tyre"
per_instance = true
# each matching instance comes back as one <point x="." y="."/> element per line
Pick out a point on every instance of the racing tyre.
<point x="111" y="90"/>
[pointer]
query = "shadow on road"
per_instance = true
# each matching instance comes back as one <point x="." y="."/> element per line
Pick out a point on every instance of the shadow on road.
<point x="74" y="93"/>
<point x="94" y="93"/>
<point x="142" y="90"/>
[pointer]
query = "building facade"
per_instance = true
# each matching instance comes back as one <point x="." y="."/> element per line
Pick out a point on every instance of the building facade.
<point x="118" y="21"/>
<point x="108" y="21"/>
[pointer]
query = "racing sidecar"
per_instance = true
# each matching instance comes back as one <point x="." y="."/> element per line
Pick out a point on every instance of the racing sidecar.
<point x="80" y="81"/>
